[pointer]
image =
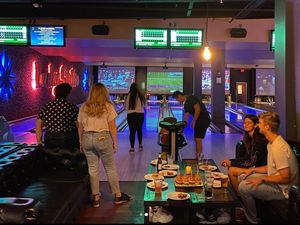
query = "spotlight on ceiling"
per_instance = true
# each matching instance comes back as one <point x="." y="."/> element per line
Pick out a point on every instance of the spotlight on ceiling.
<point x="37" y="4"/>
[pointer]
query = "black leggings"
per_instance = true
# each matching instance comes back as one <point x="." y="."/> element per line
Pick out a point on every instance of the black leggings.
<point x="135" y="123"/>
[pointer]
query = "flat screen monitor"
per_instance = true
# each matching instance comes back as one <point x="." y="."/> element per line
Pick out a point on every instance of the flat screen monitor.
<point x="164" y="81"/>
<point x="272" y="40"/>
<point x="150" y="38"/>
<point x="13" y="35"/>
<point x="186" y="38"/>
<point x="117" y="79"/>
<point x="42" y="35"/>
<point x="265" y="82"/>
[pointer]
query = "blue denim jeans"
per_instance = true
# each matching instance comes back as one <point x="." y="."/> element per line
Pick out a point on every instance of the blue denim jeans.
<point x="264" y="191"/>
<point x="99" y="145"/>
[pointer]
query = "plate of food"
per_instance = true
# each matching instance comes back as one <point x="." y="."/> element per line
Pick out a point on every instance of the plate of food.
<point x="170" y="167"/>
<point x="208" y="167"/>
<point x="168" y="173"/>
<point x="217" y="184"/>
<point x="151" y="185"/>
<point x="178" y="195"/>
<point x="188" y="180"/>
<point x="217" y="175"/>
<point x="154" y="162"/>
<point x="152" y="176"/>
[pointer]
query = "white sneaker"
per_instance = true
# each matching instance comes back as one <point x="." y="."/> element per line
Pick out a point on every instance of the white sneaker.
<point x="159" y="215"/>
<point x="224" y="217"/>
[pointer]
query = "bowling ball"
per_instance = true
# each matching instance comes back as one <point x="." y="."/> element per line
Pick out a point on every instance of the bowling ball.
<point x="170" y="119"/>
<point x="164" y="138"/>
<point x="180" y="140"/>
<point x="164" y="131"/>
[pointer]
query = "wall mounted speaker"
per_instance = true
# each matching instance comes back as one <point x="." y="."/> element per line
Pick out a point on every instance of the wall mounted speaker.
<point x="238" y="32"/>
<point x="100" y="30"/>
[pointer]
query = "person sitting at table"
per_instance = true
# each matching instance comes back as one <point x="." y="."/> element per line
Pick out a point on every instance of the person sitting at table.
<point x="255" y="152"/>
<point x="271" y="181"/>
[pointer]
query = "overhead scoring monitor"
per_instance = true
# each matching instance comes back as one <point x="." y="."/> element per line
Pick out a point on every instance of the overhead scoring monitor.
<point x="44" y="35"/>
<point x="13" y="35"/>
<point x="150" y="38"/>
<point x="186" y="38"/>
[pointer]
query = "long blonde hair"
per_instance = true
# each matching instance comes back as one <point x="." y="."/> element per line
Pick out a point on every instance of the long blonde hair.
<point x="95" y="105"/>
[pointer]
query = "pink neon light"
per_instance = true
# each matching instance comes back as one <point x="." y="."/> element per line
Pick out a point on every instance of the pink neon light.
<point x="52" y="91"/>
<point x="60" y="69"/>
<point x="49" y="67"/>
<point x="33" y="73"/>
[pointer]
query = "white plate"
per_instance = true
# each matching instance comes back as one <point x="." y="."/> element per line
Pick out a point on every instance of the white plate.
<point x="154" y="162"/>
<point x="150" y="176"/>
<point x="217" y="175"/>
<point x="151" y="185"/>
<point x="174" y="195"/>
<point x="168" y="173"/>
<point x="210" y="167"/>
<point x="170" y="167"/>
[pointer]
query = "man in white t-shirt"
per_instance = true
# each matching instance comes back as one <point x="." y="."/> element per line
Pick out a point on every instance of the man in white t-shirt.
<point x="272" y="181"/>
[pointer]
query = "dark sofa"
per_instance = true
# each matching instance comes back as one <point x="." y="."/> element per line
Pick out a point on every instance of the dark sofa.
<point x="54" y="184"/>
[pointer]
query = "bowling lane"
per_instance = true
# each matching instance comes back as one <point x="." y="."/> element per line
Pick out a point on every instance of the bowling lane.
<point x="244" y="109"/>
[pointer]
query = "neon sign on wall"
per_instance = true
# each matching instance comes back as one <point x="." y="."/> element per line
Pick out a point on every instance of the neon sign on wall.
<point x="52" y="78"/>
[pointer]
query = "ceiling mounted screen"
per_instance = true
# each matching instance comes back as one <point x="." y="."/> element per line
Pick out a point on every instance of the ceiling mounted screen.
<point x="13" y="35"/>
<point x="47" y="35"/>
<point x="150" y="38"/>
<point x="186" y="38"/>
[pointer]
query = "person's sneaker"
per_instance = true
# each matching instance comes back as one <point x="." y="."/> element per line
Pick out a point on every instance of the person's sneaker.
<point x="122" y="199"/>
<point x="96" y="201"/>
<point x="131" y="150"/>
<point x="200" y="216"/>
<point x="159" y="215"/>
<point x="223" y="217"/>
<point x="140" y="147"/>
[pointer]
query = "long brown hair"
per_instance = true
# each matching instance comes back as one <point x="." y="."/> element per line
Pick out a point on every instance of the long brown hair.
<point x="248" y="140"/>
<point x="134" y="93"/>
<point x="95" y="105"/>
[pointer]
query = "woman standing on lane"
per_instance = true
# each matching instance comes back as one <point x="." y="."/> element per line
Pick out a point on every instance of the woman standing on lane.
<point x="134" y="104"/>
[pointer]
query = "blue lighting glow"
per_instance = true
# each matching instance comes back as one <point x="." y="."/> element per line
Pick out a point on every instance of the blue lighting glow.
<point x="85" y="80"/>
<point x="7" y="77"/>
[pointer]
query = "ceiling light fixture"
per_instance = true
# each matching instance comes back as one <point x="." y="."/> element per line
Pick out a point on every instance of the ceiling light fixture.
<point x="221" y="1"/>
<point x="37" y="4"/>
<point x="206" y="53"/>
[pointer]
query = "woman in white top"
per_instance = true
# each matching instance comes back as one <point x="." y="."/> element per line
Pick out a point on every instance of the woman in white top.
<point x="98" y="140"/>
<point x="135" y="103"/>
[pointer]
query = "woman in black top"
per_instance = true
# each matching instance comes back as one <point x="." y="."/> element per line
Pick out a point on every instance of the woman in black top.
<point x="252" y="151"/>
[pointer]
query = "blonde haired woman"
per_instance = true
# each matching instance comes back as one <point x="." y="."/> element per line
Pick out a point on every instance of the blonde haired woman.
<point x="98" y="140"/>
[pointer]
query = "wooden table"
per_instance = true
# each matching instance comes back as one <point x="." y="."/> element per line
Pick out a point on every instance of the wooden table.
<point x="222" y="197"/>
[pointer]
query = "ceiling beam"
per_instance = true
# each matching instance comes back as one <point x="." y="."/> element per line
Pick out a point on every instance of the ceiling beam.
<point x="190" y="8"/>
<point x="250" y="7"/>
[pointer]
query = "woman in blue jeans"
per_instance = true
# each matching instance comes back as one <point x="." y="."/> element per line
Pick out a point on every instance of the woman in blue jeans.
<point x="98" y="140"/>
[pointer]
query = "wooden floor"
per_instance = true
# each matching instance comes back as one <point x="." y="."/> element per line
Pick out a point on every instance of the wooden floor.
<point x="108" y="213"/>
<point x="133" y="167"/>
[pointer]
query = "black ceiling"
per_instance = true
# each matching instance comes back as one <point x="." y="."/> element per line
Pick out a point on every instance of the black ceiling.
<point x="235" y="9"/>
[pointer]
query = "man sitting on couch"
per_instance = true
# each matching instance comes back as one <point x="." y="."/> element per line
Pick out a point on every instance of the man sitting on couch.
<point x="272" y="181"/>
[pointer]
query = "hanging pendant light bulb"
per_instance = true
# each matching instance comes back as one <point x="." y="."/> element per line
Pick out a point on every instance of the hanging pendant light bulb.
<point x="206" y="53"/>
